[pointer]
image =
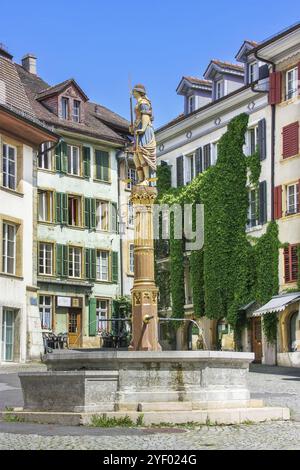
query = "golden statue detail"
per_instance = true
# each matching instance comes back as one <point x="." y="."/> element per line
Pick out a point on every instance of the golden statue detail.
<point x="144" y="152"/>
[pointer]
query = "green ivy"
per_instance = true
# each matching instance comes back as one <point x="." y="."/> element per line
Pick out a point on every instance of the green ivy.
<point x="254" y="165"/>
<point x="197" y="282"/>
<point x="269" y="325"/>
<point x="163" y="178"/>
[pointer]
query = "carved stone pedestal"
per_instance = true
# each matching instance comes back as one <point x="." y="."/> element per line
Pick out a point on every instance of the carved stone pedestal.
<point x="144" y="291"/>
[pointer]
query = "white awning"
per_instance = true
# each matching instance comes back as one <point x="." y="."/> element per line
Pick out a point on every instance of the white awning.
<point x="277" y="304"/>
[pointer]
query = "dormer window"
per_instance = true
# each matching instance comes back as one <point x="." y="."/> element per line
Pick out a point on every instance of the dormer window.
<point x="191" y="104"/>
<point x="219" y="89"/>
<point x="253" y="69"/>
<point x="76" y="111"/>
<point x="65" y="108"/>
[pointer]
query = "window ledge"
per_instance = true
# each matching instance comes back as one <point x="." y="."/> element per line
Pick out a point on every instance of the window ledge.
<point x="291" y="216"/>
<point x="43" y="222"/>
<point x="12" y="191"/>
<point x="45" y="170"/>
<point x="98" y="281"/>
<point x="101" y="181"/>
<point x="287" y="159"/>
<point x="130" y="274"/>
<point x="288" y="102"/>
<point x="75" y="227"/>
<point x="12" y="276"/>
<point x="257" y="228"/>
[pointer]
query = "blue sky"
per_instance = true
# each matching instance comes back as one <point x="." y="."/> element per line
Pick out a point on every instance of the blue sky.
<point x="101" y="42"/>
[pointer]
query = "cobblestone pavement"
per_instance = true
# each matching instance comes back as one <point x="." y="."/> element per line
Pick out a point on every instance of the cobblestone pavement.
<point x="276" y="386"/>
<point x="271" y="436"/>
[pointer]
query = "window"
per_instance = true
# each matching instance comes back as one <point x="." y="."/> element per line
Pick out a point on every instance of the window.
<point x="102" y="265"/>
<point x="253" y="206"/>
<point x="219" y="89"/>
<point x="253" y="69"/>
<point x="290" y="140"/>
<point x="130" y="214"/>
<point x="131" y="174"/>
<point x="8" y="333"/>
<point x="102" y="215"/>
<point x="45" y="156"/>
<point x="102" y="165"/>
<point x="75" y="257"/>
<point x="206" y="156"/>
<point x="291" y="83"/>
<point x="9" y="248"/>
<point x="131" y="258"/>
<point x="73" y="160"/>
<point x="76" y="111"/>
<point x="215" y="153"/>
<point x="191" y="104"/>
<point x="45" y="309"/>
<point x="189" y="168"/>
<point x="74" y="211"/>
<point x="65" y="108"/>
<point x="102" y="309"/>
<point x="291" y="263"/>
<point x="46" y="259"/>
<point x="293" y="332"/>
<point x="252" y="140"/>
<point x="45" y="206"/>
<point x="292" y="199"/>
<point x="9" y="166"/>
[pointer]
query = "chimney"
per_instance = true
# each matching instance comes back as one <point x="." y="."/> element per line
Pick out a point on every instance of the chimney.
<point x="4" y="52"/>
<point x="29" y="63"/>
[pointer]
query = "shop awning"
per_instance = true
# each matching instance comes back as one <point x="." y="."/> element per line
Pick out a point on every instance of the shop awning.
<point x="277" y="304"/>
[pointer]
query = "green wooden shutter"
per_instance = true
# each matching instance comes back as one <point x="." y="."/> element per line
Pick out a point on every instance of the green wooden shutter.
<point x="58" y="157"/>
<point x="58" y="207"/>
<point x="87" y="210"/>
<point x="86" y="162"/>
<point x="262" y="139"/>
<point x="65" y="260"/>
<point x="93" y="264"/>
<point x="105" y="166"/>
<point x="92" y="317"/>
<point x="87" y="263"/>
<point x="263" y="215"/>
<point x="179" y="171"/>
<point x="93" y="214"/>
<point x="59" y="267"/>
<point x="102" y="165"/>
<point x="64" y="157"/>
<point x="114" y="267"/>
<point x="198" y="161"/>
<point x="65" y="211"/>
<point x="114" y="217"/>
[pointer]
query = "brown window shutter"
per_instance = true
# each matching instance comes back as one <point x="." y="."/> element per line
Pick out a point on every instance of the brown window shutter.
<point x="294" y="263"/>
<point x="275" y="88"/>
<point x="278" y="202"/>
<point x="287" y="275"/>
<point x="290" y="140"/>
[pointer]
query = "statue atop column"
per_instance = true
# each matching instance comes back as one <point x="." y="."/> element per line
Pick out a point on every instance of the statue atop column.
<point x="144" y="152"/>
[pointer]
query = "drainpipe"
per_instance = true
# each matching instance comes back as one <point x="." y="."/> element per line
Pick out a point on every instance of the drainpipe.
<point x="273" y="132"/>
<point x="121" y="245"/>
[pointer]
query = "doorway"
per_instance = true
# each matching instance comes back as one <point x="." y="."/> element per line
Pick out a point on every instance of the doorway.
<point x="8" y="333"/>
<point x="257" y="339"/>
<point x="74" y="329"/>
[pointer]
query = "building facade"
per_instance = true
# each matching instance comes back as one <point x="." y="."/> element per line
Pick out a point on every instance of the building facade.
<point x="189" y="145"/>
<point x="21" y="135"/>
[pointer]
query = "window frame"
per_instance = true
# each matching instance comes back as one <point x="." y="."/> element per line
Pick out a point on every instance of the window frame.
<point x="76" y="115"/>
<point x="253" y="69"/>
<point x="43" y="306"/>
<point x="5" y="174"/>
<point x="72" y="261"/>
<point x="49" y="194"/>
<point x="189" y="167"/>
<point x="291" y="93"/>
<point x="65" y="106"/>
<point x="219" y="89"/>
<point x="252" y="209"/>
<point x="99" y="203"/>
<point x="48" y="154"/>
<point x="99" y="267"/>
<point x="51" y="245"/>
<point x="130" y="214"/>
<point x="79" y="211"/>
<point x="131" y="258"/>
<point x="70" y="157"/>
<point x="191" y="104"/>
<point x="5" y="241"/>
<point x="295" y="197"/>
<point x="133" y="179"/>
<point x="99" y="311"/>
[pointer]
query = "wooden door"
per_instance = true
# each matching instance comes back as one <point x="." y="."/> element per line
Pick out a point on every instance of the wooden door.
<point x="257" y="339"/>
<point x="74" y="329"/>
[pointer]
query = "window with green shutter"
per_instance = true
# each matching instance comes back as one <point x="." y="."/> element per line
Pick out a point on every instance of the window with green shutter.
<point x="114" y="217"/>
<point x="62" y="260"/>
<point x="114" y="267"/>
<point x="61" y="211"/>
<point x="90" y="213"/>
<point x="92" y="317"/>
<point x="90" y="263"/>
<point x="86" y="162"/>
<point x="61" y="157"/>
<point x="102" y="165"/>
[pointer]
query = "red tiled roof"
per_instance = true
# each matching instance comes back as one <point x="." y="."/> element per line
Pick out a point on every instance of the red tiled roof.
<point x="228" y="65"/>
<point x="198" y="81"/>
